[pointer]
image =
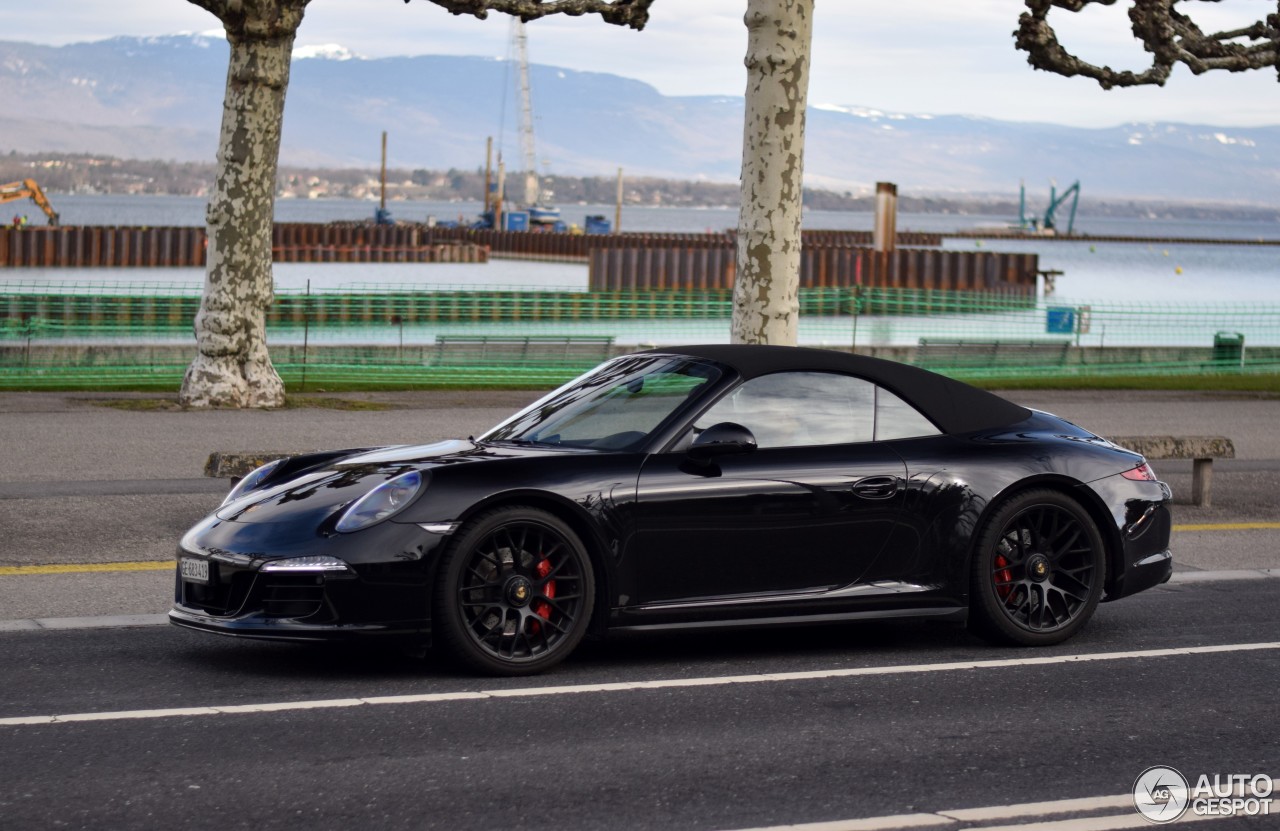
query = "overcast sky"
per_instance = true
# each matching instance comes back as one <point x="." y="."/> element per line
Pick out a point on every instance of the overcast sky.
<point x="910" y="56"/>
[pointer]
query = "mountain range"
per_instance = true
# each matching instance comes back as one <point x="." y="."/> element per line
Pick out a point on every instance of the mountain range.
<point x="161" y="97"/>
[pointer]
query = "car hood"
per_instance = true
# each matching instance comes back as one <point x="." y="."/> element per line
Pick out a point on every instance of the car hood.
<point x="315" y="495"/>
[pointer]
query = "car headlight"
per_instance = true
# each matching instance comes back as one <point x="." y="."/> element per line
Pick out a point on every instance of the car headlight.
<point x="251" y="481"/>
<point x="381" y="502"/>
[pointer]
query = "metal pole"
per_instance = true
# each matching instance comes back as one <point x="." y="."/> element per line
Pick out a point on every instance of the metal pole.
<point x="306" y="332"/>
<point x="383" y="177"/>
<point x="497" y="200"/>
<point x="617" y="211"/>
<point x="885" y="236"/>
<point x="857" y="303"/>
<point x="488" y="173"/>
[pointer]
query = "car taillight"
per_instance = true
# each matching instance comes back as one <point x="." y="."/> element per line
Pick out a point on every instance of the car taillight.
<point x="1141" y="473"/>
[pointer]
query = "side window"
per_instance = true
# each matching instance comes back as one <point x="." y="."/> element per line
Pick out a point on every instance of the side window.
<point x="896" y="419"/>
<point x="792" y="409"/>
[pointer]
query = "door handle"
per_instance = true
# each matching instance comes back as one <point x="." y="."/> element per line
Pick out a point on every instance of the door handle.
<point x="877" y="487"/>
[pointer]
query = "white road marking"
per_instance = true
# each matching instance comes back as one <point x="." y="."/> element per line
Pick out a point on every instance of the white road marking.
<point x="629" y="686"/>
<point x="870" y="824"/>
<point x="1039" y="809"/>
<point x="1133" y="820"/>
<point x="1028" y="810"/>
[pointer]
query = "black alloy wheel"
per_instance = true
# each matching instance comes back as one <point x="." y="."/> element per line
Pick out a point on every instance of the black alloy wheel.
<point x="1038" y="572"/>
<point x="514" y="593"/>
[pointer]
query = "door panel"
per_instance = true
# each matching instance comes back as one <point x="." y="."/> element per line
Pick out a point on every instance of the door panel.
<point x="776" y="520"/>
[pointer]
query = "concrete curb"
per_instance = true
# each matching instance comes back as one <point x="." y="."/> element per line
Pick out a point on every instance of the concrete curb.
<point x="1222" y="576"/>
<point x="100" y="622"/>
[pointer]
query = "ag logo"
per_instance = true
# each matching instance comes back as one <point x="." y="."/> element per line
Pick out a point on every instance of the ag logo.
<point x="1161" y="794"/>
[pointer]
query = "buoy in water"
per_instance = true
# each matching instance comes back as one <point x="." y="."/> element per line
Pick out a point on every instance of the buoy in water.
<point x="1177" y="270"/>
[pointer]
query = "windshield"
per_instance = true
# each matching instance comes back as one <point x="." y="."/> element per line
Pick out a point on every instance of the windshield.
<point x="614" y="407"/>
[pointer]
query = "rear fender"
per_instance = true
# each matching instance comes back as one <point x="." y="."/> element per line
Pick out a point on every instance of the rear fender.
<point x="1085" y="496"/>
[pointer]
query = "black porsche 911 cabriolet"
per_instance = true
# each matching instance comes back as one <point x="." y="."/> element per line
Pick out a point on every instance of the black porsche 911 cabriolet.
<point x="690" y="487"/>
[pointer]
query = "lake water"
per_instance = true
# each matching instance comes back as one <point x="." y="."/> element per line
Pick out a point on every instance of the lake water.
<point x="1218" y="283"/>
<point x="1097" y="272"/>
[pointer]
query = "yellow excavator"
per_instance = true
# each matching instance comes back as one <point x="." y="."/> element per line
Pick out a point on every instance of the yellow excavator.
<point x="28" y="189"/>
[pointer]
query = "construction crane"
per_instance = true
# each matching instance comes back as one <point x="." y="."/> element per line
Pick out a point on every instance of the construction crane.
<point x="1056" y="201"/>
<point x="539" y="214"/>
<point x="1048" y="225"/>
<point x="28" y="189"/>
<point x="527" y="148"/>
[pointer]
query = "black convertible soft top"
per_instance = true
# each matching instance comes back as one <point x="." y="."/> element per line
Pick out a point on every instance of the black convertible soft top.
<point x="954" y="406"/>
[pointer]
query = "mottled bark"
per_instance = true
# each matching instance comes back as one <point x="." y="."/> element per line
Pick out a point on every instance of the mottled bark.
<point x="232" y="367"/>
<point x="766" y="289"/>
<point x="1170" y="36"/>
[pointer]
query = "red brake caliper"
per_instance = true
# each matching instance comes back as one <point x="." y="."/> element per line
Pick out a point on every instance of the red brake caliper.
<point x="542" y="608"/>
<point x="1004" y="578"/>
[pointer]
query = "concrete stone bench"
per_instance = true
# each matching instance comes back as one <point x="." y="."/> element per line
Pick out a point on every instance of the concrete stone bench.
<point x="521" y="350"/>
<point x="966" y="354"/>
<point x="1202" y="450"/>
<point x="236" y="466"/>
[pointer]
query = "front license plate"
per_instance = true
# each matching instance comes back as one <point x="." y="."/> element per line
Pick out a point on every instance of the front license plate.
<point x="194" y="571"/>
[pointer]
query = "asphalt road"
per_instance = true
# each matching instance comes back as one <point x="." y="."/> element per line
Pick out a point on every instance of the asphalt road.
<point x="86" y="487"/>
<point x="699" y="753"/>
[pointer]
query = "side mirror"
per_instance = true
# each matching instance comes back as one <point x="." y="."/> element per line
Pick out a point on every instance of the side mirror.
<point x="723" y="439"/>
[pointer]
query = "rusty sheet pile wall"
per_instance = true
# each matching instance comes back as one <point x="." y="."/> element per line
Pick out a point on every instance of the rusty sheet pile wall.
<point x="703" y="269"/>
<point x="92" y="246"/>
<point x="346" y="242"/>
<point x="579" y="246"/>
<point x="110" y="247"/>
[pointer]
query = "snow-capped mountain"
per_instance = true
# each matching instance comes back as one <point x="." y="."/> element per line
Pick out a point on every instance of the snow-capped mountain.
<point x="161" y="97"/>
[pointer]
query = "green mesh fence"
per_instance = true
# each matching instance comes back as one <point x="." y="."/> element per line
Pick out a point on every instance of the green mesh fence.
<point x="138" y="335"/>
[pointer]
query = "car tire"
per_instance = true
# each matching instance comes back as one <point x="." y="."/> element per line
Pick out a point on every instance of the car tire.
<point x="1038" y="570"/>
<point x="514" y="592"/>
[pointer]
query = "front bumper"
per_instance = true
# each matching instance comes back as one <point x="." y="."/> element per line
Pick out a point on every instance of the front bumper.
<point x="385" y="589"/>
<point x="260" y="627"/>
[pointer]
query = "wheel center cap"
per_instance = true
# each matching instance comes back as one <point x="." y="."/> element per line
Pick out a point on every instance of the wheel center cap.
<point x="1038" y="568"/>
<point x="519" y="591"/>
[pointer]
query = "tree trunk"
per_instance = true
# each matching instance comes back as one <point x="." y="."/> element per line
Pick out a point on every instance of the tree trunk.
<point x="232" y="367"/>
<point x="766" y="303"/>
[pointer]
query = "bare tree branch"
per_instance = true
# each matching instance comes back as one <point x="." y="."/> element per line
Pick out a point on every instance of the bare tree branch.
<point x="218" y="8"/>
<point x="1170" y="36"/>
<point x="633" y="13"/>
<point x="256" y="19"/>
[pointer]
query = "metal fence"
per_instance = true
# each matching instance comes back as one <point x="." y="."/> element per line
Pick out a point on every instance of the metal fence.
<point x="137" y="335"/>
